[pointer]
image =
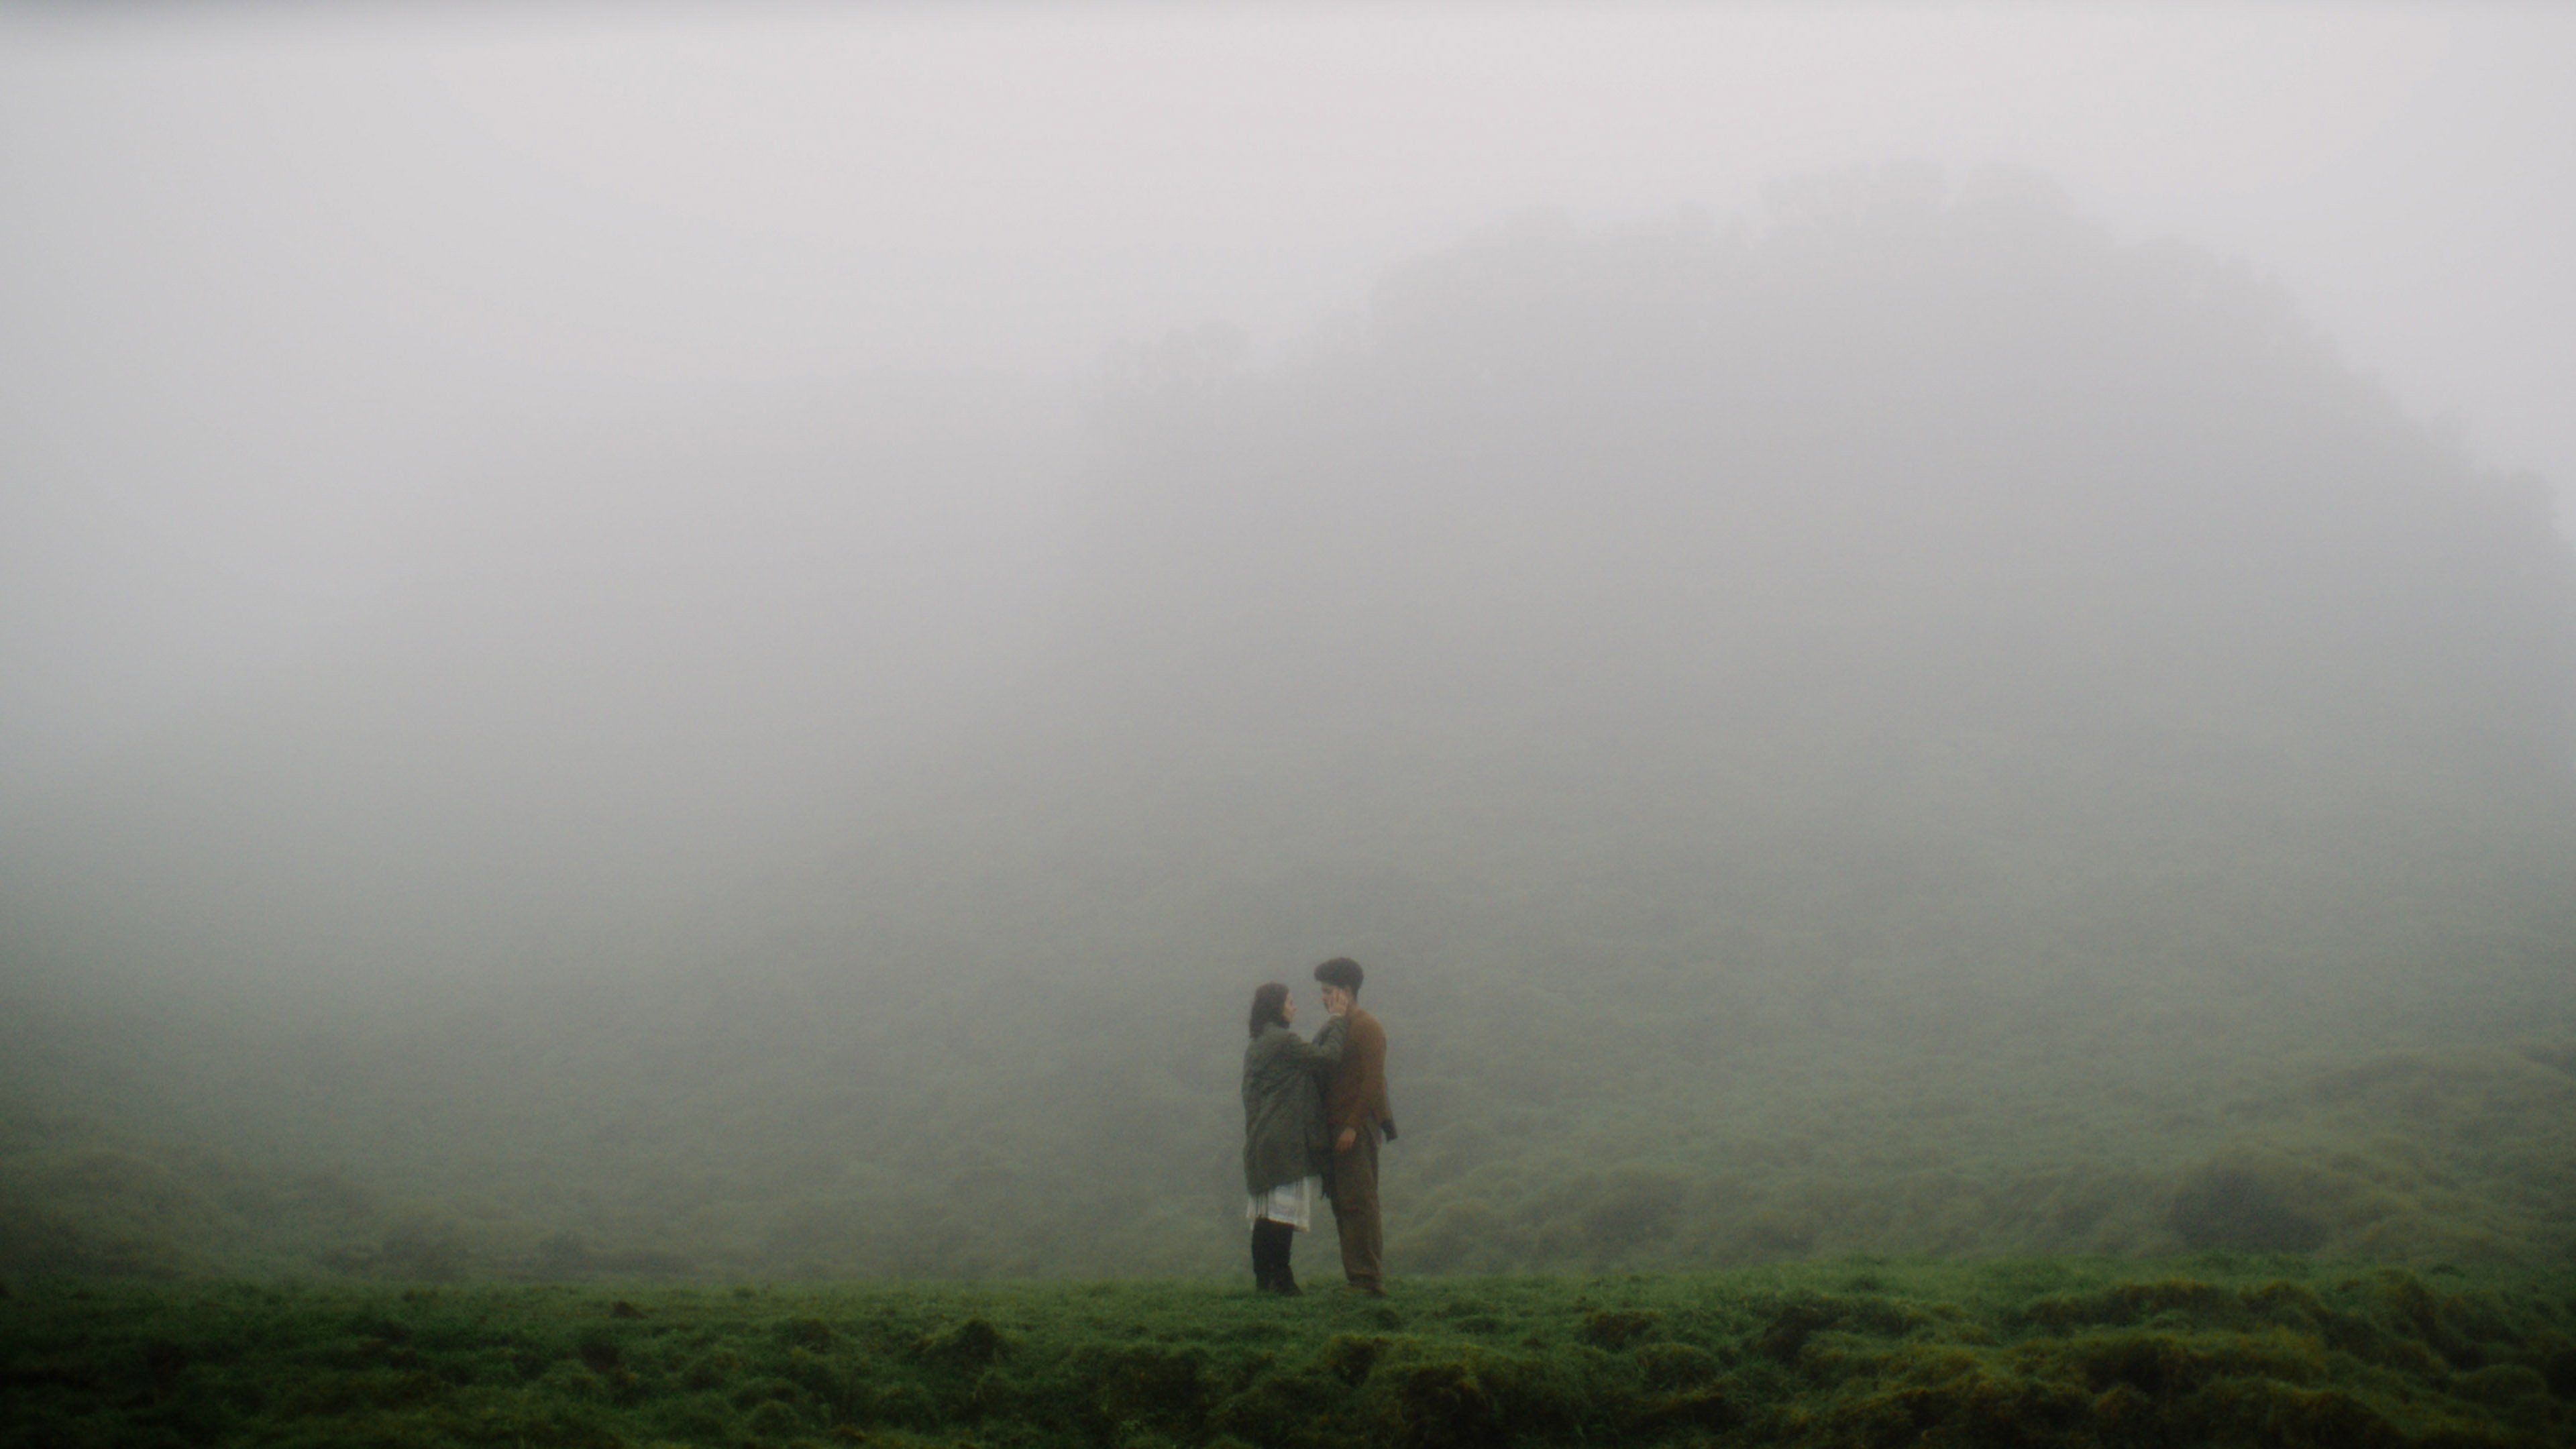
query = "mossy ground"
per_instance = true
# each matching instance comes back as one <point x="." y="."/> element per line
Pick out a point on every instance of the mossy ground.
<point x="2209" y="1350"/>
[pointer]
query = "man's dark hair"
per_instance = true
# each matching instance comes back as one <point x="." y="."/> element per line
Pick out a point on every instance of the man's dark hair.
<point x="1269" y="1006"/>
<point x="1343" y="972"/>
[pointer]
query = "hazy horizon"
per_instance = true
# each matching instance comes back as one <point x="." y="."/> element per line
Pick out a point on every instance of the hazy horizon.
<point x="280" y="283"/>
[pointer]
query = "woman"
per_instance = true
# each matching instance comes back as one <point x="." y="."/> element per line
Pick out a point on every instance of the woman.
<point x="1285" y="1148"/>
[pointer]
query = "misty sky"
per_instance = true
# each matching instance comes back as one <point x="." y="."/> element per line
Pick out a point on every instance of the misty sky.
<point x="273" y="281"/>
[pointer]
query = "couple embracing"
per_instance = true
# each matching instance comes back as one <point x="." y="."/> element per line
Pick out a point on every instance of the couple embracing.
<point x="1313" y="1115"/>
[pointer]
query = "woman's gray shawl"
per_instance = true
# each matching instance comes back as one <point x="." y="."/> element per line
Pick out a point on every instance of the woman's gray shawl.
<point x="1283" y="1104"/>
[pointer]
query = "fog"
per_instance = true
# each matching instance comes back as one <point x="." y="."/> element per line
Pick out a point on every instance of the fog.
<point x="652" y="643"/>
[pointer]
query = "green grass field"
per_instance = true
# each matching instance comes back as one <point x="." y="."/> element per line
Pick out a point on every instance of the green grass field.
<point x="2207" y="1350"/>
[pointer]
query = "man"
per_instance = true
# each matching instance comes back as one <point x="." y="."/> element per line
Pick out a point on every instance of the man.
<point x="1357" y="1115"/>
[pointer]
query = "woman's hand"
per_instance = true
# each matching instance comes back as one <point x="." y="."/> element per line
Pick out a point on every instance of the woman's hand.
<point x="1343" y="1143"/>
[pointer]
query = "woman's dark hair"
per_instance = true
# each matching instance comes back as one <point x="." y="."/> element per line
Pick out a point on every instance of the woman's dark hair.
<point x="1343" y="972"/>
<point x="1269" y="1006"/>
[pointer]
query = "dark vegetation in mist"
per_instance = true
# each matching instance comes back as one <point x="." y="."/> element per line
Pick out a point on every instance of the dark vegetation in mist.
<point x="1854" y="1353"/>
<point x="1920" y="729"/>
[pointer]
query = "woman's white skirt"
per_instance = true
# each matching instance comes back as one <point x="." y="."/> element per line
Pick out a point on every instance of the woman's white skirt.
<point x="1292" y="1203"/>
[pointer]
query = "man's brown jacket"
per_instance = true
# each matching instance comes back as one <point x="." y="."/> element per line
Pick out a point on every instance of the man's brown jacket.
<point x="1356" y="1094"/>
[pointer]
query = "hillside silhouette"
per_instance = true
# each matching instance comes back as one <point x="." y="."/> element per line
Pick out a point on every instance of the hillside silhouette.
<point x="1917" y="728"/>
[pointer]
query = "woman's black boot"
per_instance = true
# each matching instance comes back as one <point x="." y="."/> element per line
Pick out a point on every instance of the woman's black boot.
<point x="1262" y="1275"/>
<point x="1270" y="1246"/>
